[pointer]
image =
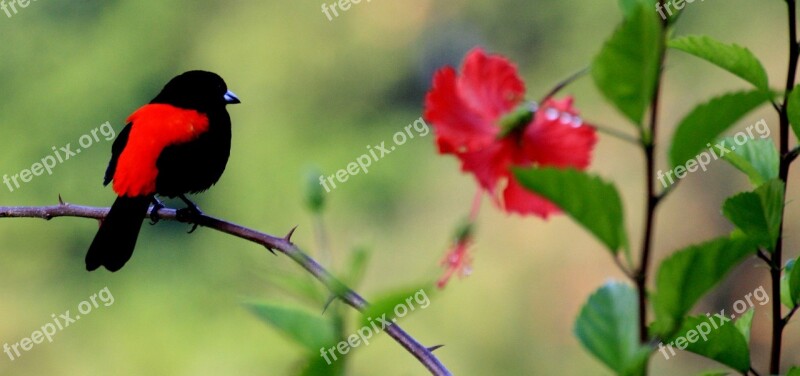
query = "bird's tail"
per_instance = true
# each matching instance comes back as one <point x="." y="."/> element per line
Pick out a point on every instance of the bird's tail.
<point x="114" y="243"/>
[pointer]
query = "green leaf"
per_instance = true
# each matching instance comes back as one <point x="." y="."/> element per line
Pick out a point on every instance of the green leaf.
<point x="607" y="326"/>
<point x="744" y="323"/>
<point x="312" y="331"/>
<point x="758" y="214"/>
<point x="627" y="66"/>
<point x="793" y="110"/>
<point x="396" y="305"/>
<point x="590" y="201"/>
<point x="772" y="200"/>
<point x="706" y="336"/>
<point x="731" y="57"/>
<point x="687" y="275"/>
<point x="794" y="371"/>
<point x="708" y="121"/>
<point x="630" y="6"/>
<point x="786" y="292"/>
<point x="758" y="159"/>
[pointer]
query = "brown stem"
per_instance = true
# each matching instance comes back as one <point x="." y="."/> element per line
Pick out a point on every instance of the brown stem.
<point x="653" y="198"/>
<point x="787" y="157"/>
<point x="284" y="245"/>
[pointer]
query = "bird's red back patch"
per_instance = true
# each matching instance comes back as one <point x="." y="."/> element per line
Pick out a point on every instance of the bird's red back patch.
<point x="154" y="127"/>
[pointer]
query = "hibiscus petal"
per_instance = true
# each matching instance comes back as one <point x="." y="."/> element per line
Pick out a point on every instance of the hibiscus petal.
<point x="490" y="84"/>
<point x="458" y="127"/>
<point x="517" y="199"/>
<point x="490" y="164"/>
<point x="556" y="137"/>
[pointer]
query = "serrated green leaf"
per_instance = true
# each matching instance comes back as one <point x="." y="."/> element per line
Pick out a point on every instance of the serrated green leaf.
<point x="312" y="331"/>
<point x="688" y="274"/>
<point x="708" y="337"/>
<point x="744" y="323"/>
<point x="758" y="159"/>
<point x="397" y="304"/>
<point x="793" y="110"/>
<point x="627" y="66"/>
<point x="708" y="121"/>
<point x="733" y="58"/>
<point x="590" y="201"/>
<point x="747" y="213"/>
<point x="607" y="326"/>
<point x="758" y="214"/>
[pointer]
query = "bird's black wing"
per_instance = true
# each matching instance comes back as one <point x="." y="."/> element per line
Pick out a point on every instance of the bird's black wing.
<point x="116" y="150"/>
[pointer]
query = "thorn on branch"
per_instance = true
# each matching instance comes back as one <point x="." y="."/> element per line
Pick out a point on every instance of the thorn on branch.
<point x="434" y="348"/>
<point x="288" y="236"/>
<point x="60" y="200"/>
<point x="328" y="303"/>
<point x="271" y="250"/>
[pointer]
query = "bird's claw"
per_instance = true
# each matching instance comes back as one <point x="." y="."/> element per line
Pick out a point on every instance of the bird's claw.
<point x="189" y="214"/>
<point x="157" y="205"/>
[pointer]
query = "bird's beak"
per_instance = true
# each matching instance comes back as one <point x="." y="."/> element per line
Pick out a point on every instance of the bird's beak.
<point x="231" y="98"/>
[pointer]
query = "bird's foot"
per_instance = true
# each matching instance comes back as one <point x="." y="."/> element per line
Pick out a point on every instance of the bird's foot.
<point x="191" y="213"/>
<point x="157" y="205"/>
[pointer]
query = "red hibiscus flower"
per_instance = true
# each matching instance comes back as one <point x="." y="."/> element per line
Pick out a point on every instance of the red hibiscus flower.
<point x="480" y="117"/>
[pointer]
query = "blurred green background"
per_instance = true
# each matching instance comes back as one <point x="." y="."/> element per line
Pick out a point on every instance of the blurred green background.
<point x="315" y="93"/>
